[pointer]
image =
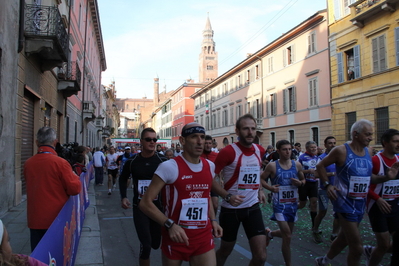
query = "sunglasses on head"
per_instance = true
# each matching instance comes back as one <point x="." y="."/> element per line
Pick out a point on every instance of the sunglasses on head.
<point x="151" y="139"/>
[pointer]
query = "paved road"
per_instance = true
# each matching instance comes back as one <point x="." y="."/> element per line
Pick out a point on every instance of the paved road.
<point x="121" y="246"/>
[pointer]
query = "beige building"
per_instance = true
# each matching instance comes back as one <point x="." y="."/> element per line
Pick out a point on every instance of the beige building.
<point x="364" y="56"/>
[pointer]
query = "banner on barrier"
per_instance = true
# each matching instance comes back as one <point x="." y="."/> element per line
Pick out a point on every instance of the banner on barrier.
<point x="60" y="243"/>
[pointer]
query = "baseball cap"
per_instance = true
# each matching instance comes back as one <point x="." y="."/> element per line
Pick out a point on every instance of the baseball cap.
<point x="127" y="148"/>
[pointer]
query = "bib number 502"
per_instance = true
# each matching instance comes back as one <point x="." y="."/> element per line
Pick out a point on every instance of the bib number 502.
<point x="359" y="187"/>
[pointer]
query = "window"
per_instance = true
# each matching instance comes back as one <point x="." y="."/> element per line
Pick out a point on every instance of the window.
<point x="208" y="67"/>
<point x="341" y="8"/>
<point x="312" y="42"/>
<point x="67" y="130"/>
<point x="289" y="55"/>
<point x="76" y="132"/>
<point x="207" y="123"/>
<point x="289" y="100"/>
<point x="248" y="75"/>
<point x="350" y="120"/>
<point x="313" y="92"/>
<point x="225" y="120"/>
<point x="213" y="121"/>
<point x="315" y="135"/>
<point x="273" y="139"/>
<point x="256" y="71"/>
<point x="218" y="119"/>
<point x="258" y="109"/>
<point x="272" y="105"/>
<point x="248" y="110"/>
<point x="382" y="122"/>
<point x="379" y="53"/>
<point x="291" y="136"/>
<point x="348" y="64"/>
<point x="231" y="115"/>
<point x="270" y="65"/>
<point x="239" y="111"/>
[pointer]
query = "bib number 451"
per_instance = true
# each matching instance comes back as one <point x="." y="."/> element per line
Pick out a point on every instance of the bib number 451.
<point x="194" y="213"/>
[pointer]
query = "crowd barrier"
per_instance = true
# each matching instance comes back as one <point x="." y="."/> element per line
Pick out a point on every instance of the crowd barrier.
<point x="59" y="245"/>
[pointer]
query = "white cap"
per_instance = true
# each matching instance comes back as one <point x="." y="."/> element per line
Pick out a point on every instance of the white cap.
<point x="1" y="231"/>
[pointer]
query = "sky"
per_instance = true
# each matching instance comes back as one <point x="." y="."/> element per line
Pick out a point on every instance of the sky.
<point x="162" y="38"/>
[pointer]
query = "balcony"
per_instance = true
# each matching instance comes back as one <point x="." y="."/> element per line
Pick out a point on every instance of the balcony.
<point x="106" y="132"/>
<point x="45" y="36"/>
<point x="99" y="123"/>
<point x="69" y="77"/>
<point x="366" y="9"/>
<point x="89" y="110"/>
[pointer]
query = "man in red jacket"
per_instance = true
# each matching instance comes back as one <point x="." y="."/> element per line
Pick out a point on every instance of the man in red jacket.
<point x="49" y="183"/>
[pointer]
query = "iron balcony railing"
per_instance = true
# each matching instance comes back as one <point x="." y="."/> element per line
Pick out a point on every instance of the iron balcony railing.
<point x="70" y="71"/>
<point x="46" y="22"/>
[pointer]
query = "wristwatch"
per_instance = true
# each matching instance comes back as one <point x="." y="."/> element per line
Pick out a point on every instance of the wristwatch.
<point x="326" y="184"/>
<point x="169" y="223"/>
<point x="228" y="197"/>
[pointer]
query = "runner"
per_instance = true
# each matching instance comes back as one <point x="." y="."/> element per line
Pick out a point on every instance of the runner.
<point x="210" y="155"/>
<point x="329" y="144"/>
<point x="383" y="199"/>
<point x="142" y="167"/>
<point x="241" y="164"/>
<point x="310" y="190"/>
<point x="112" y="168"/>
<point x="353" y="164"/>
<point x="286" y="176"/>
<point x="189" y="219"/>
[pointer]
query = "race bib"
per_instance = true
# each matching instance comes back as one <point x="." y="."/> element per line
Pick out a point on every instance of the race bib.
<point x="358" y="187"/>
<point x="390" y="190"/>
<point x="249" y="178"/>
<point x="287" y="194"/>
<point x="194" y="213"/>
<point x="142" y="188"/>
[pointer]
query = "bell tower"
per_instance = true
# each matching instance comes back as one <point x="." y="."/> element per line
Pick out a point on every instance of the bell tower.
<point x="208" y="58"/>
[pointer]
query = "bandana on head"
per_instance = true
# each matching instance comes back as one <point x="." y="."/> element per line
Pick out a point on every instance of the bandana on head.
<point x="1" y="231"/>
<point x="192" y="130"/>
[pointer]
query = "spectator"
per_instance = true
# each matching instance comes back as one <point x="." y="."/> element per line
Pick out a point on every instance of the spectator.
<point x="99" y="163"/>
<point x="49" y="183"/>
<point x="169" y="154"/>
<point x="178" y="150"/>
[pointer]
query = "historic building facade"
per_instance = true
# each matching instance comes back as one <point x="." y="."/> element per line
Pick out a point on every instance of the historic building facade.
<point x="43" y="65"/>
<point x="284" y="85"/>
<point x="364" y="56"/>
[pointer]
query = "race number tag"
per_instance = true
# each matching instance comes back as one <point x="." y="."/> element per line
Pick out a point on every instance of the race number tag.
<point x="287" y="194"/>
<point x="249" y="178"/>
<point x="390" y="190"/>
<point x="194" y="213"/>
<point x="358" y="187"/>
<point x="142" y="188"/>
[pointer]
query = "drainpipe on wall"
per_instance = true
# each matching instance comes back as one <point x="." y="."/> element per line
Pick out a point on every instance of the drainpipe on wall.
<point x="84" y="73"/>
<point x="21" y="25"/>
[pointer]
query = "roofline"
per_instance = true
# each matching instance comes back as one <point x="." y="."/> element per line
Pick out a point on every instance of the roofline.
<point x="97" y="28"/>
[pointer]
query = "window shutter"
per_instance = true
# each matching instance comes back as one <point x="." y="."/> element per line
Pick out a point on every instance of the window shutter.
<point x="375" y="54"/>
<point x="337" y="9"/>
<point x="294" y="99"/>
<point x="285" y="57"/>
<point x="356" y="55"/>
<point x="311" y="93"/>
<point x="285" y="92"/>
<point x="292" y="53"/>
<point x="381" y="41"/>
<point x="397" y="45"/>
<point x="268" y="107"/>
<point x="275" y="104"/>
<point x="340" y="68"/>
<point x="309" y="43"/>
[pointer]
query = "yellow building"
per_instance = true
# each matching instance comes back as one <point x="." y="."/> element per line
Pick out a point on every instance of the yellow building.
<point x="364" y="58"/>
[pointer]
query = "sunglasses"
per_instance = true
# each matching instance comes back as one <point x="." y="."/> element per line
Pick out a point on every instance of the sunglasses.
<point x="151" y="139"/>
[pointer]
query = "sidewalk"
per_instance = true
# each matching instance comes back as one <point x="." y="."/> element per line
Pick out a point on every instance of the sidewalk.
<point x="89" y="250"/>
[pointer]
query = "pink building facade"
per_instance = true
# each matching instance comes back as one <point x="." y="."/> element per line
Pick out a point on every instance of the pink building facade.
<point x="285" y="86"/>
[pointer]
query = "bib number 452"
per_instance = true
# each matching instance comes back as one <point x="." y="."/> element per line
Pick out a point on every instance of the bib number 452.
<point x="249" y="178"/>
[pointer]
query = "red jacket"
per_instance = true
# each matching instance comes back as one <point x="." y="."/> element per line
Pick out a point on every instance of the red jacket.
<point x="49" y="183"/>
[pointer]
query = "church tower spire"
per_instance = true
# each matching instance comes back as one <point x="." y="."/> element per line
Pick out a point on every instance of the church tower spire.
<point x="208" y="58"/>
